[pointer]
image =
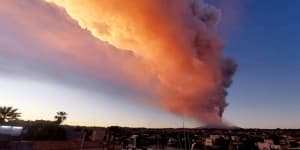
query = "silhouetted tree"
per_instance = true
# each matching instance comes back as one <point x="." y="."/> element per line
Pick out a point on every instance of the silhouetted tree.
<point x="60" y="117"/>
<point x="8" y="114"/>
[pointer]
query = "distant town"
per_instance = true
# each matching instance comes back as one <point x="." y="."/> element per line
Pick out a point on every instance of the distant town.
<point x="16" y="134"/>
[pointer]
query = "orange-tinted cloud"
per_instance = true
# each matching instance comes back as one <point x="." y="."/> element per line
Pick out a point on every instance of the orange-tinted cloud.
<point x="174" y="39"/>
<point x="153" y="49"/>
<point x="39" y="38"/>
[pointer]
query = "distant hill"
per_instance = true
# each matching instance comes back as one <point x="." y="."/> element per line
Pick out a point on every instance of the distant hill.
<point x="219" y="126"/>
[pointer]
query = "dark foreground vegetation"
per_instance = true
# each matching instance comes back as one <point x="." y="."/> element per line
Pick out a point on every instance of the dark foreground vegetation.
<point x="18" y="134"/>
<point x="42" y="133"/>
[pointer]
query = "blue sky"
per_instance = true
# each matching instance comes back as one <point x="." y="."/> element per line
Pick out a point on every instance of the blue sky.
<point x="266" y="45"/>
<point x="264" y="38"/>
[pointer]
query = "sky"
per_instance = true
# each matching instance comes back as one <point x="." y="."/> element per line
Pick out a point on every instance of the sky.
<point x="43" y="68"/>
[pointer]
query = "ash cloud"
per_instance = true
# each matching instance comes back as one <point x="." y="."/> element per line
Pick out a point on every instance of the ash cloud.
<point x="41" y="42"/>
<point x="175" y="39"/>
<point x="164" y="52"/>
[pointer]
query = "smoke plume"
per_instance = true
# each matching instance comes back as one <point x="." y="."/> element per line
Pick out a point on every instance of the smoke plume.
<point x="175" y="39"/>
<point x="45" y="44"/>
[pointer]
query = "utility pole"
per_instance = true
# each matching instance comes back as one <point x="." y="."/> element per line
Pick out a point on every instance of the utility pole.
<point x="184" y="136"/>
<point x="82" y="140"/>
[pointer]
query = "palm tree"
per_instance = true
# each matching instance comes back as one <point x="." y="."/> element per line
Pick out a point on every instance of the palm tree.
<point x="8" y="114"/>
<point x="60" y="117"/>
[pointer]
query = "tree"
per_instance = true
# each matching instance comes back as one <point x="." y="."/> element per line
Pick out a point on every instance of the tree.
<point x="8" y="114"/>
<point x="60" y="117"/>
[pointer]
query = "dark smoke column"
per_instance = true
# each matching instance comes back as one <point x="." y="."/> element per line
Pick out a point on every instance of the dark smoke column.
<point x="175" y="39"/>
